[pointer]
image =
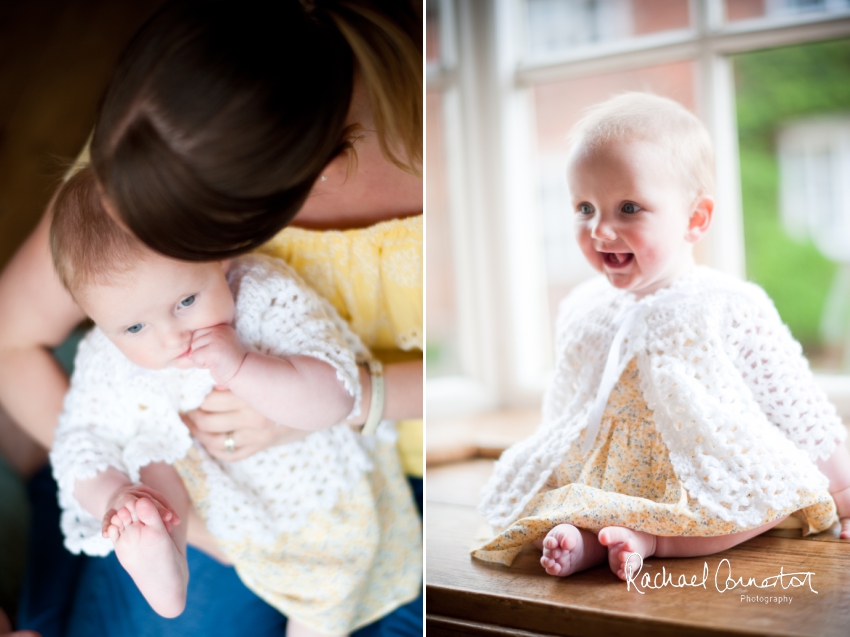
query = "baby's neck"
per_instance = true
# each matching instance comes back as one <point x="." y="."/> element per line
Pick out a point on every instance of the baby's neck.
<point x="681" y="270"/>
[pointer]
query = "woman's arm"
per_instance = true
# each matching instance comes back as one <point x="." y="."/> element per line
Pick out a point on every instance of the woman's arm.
<point x="402" y="392"/>
<point x="223" y="413"/>
<point x="36" y="313"/>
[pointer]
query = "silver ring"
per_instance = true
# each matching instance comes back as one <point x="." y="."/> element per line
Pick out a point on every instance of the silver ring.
<point x="229" y="443"/>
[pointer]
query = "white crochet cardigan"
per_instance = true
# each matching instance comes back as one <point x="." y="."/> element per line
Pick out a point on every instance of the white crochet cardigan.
<point x="731" y="393"/>
<point x="120" y="415"/>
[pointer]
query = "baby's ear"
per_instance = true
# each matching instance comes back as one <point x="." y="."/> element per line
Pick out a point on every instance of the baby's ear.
<point x="225" y="265"/>
<point x="702" y="211"/>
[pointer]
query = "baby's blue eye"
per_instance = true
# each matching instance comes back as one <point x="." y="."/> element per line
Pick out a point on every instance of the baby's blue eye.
<point x="630" y="208"/>
<point x="187" y="301"/>
<point x="135" y="329"/>
<point x="585" y="209"/>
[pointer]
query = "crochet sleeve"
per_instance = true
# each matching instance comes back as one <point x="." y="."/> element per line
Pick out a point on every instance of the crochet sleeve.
<point x="772" y="365"/>
<point x="105" y="425"/>
<point x="279" y="315"/>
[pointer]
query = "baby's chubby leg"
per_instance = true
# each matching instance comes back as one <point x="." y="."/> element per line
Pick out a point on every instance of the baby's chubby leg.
<point x="622" y="542"/>
<point x="568" y="549"/>
<point x="150" y="543"/>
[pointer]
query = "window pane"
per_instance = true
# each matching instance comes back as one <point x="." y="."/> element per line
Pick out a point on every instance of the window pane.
<point x="558" y="107"/>
<point x="555" y="26"/>
<point x="793" y="109"/>
<point x="432" y="32"/>
<point x="441" y="309"/>
<point x="747" y="9"/>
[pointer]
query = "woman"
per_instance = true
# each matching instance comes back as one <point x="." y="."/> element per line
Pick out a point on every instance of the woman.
<point x="223" y="122"/>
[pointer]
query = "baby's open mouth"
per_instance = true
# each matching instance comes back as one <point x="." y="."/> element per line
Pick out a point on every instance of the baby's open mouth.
<point x="617" y="259"/>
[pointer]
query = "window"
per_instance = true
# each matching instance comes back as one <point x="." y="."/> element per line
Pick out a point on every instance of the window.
<point x="794" y="136"/>
<point x="520" y="75"/>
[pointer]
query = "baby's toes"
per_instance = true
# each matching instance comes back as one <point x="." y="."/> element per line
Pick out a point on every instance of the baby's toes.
<point x="148" y="514"/>
<point x="569" y="541"/>
<point x="550" y="566"/>
<point x="550" y="542"/>
<point x="124" y="516"/>
<point x="117" y="522"/>
<point x="624" y="559"/>
<point x="624" y="550"/>
<point x="552" y="554"/>
<point x="630" y="545"/>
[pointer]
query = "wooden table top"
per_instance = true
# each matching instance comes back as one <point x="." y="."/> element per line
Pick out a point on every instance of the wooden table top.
<point x="465" y="596"/>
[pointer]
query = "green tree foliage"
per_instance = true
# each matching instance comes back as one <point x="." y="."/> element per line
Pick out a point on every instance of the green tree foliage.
<point x="774" y="87"/>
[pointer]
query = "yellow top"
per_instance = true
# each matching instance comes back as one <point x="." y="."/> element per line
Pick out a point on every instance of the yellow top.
<point x="373" y="277"/>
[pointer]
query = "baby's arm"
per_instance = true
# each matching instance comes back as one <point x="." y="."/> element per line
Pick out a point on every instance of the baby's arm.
<point x="837" y="469"/>
<point x="297" y="391"/>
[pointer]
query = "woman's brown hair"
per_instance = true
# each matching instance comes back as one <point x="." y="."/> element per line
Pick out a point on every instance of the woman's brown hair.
<point x="222" y="114"/>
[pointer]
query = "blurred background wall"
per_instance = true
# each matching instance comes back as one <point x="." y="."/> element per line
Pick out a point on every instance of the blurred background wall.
<point x="55" y="60"/>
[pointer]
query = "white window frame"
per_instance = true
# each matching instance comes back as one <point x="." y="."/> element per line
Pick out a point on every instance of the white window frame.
<point x="503" y="326"/>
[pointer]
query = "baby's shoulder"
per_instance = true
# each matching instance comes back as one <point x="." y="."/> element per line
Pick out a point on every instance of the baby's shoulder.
<point x="722" y="296"/>
<point x="586" y="297"/>
<point x="98" y="356"/>
<point x="259" y="271"/>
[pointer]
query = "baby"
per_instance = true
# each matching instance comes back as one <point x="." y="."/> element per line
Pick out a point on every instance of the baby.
<point x="168" y="332"/>
<point x="682" y="418"/>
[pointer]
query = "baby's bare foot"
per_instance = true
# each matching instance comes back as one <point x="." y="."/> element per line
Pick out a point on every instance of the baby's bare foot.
<point x="567" y="549"/>
<point x="622" y="543"/>
<point x="148" y="553"/>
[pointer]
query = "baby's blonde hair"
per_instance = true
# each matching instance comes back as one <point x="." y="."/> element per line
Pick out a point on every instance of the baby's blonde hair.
<point x="87" y="245"/>
<point x="647" y="117"/>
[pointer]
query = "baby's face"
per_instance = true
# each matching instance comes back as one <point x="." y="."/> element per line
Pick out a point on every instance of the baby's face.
<point x="632" y="215"/>
<point x="151" y="311"/>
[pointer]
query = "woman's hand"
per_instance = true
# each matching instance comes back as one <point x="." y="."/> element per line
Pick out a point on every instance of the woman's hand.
<point x="224" y="414"/>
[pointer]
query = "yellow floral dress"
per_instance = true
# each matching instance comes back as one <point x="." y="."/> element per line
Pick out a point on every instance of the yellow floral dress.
<point x="627" y="479"/>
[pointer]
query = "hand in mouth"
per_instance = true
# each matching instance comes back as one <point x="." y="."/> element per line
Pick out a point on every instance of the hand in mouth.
<point x="616" y="260"/>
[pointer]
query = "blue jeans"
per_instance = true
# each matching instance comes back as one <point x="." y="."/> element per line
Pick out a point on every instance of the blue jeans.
<point x="78" y="596"/>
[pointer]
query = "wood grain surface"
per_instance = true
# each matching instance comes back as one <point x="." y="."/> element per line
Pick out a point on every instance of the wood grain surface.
<point x="468" y="597"/>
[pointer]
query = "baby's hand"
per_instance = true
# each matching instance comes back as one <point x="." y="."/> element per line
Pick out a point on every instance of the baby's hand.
<point x="121" y="509"/>
<point x="219" y="350"/>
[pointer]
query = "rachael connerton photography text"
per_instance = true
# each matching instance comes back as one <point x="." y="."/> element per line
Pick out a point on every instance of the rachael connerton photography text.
<point x="724" y="580"/>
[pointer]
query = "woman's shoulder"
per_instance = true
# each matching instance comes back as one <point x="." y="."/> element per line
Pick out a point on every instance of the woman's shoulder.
<point x="387" y="232"/>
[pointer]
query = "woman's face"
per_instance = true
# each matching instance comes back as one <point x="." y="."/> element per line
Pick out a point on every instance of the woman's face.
<point x="376" y="189"/>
